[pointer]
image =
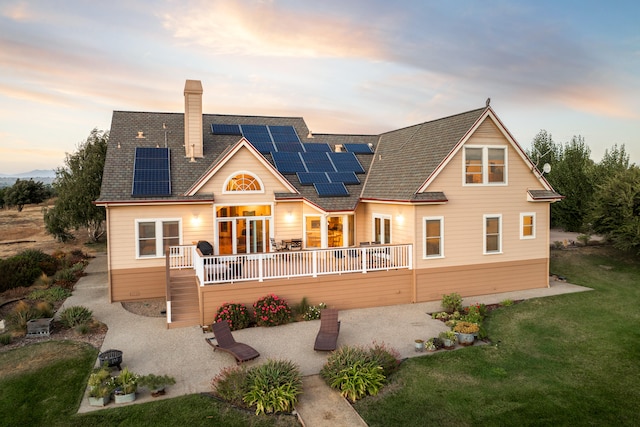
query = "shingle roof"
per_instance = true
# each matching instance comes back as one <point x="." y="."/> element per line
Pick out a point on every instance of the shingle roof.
<point x="406" y="157"/>
<point x="403" y="158"/>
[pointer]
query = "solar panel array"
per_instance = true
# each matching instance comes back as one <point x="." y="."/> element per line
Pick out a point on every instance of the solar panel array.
<point x="358" y="148"/>
<point x="313" y="163"/>
<point x="151" y="172"/>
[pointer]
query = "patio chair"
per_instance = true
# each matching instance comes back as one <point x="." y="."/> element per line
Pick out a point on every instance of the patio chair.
<point x="224" y="341"/>
<point x="275" y="246"/>
<point x="329" y="329"/>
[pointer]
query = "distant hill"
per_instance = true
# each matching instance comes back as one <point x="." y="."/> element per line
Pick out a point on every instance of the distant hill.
<point x="36" y="173"/>
<point x="42" y="175"/>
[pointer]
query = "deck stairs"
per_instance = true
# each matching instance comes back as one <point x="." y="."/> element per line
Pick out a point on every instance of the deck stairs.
<point x="185" y="310"/>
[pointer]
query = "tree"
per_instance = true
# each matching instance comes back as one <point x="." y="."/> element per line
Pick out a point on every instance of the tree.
<point x="614" y="161"/>
<point x="77" y="186"/>
<point x="572" y="176"/>
<point x="544" y="150"/>
<point x="25" y="192"/>
<point x="616" y="209"/>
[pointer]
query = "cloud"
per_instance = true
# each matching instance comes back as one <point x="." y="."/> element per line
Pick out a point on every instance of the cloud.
<point x="264" y="29"/>
<point x="17" y="11"/>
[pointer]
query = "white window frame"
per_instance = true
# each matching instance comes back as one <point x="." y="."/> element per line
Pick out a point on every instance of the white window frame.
<point x="424" y="237"/>
<point x="243" y="172"/>
<point x="484" y="234"/>
<point x="533" y="225"/>
<point x="382" y="217"/>
<point x="485" y="165"/>
<point x="159" y="236"/>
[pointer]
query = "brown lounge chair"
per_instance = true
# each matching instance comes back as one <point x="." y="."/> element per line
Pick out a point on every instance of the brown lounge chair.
<point x="329" y="330"/>
<point x="224" y="341"/>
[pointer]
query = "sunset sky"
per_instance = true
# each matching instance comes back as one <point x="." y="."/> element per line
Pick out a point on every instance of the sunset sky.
<point x="569" y="67"/>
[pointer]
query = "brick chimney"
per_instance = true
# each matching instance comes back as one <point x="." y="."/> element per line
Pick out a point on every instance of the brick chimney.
<point x="193" y="118"/>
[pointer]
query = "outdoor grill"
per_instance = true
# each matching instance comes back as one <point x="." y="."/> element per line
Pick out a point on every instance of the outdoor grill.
<point x="111" y="358"/>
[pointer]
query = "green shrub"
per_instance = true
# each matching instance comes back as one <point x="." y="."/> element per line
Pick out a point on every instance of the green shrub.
<point x="73" y="316"/>
<point x="358" y="380"/>
<point x="82" y="329"/>
<point x="301" y="308"/>
<point x="452" y="302"/>
<point x="53" y="294"/>
<point x="272" y="311"/>
<point x="231" y="384"/>
<point x="386" y="357"/>
<point x="341" y="358"/>
<point x="47" y="263"/>
<point x="18" y="271"/>
<point x="236" y="315"/>
<point x="5" y="339"/>
<point x="273" y="386"/>
<point x="65" y="275"/>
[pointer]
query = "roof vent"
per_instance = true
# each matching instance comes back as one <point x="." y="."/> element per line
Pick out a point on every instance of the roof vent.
<point x="339" y="148"/>
<point x="140" y="135"/>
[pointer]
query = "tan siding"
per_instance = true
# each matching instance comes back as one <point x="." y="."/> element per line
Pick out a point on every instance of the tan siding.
<point x="286" y="227"/>
<point x="463" y="213"/>
<point x="138" y="283"/>
<point x="343" y="292"/>
<point x="481" y="279"/>
<point x="243" y="160"/>
<point x="122" y="239"/>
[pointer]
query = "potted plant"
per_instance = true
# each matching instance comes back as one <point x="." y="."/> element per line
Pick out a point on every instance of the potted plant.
<point x="99" y="387"/>
<point x="126" y="386"/>
<point x="419" y="345"/>
<point x="449" y="339"/>
<point x="466" y="332"/>
<point x="156" y="383"/>
<point x="430" y="345"/>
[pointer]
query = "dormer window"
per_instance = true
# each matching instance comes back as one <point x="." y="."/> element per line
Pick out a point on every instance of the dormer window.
<point x="243" y="182"/>
<point x="485" y="165"/>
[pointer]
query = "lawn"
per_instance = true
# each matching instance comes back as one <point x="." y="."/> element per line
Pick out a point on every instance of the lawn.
<point x="564" y="360"/>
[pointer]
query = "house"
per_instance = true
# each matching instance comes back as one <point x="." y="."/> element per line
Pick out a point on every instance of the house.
<point x="449" y="205"/>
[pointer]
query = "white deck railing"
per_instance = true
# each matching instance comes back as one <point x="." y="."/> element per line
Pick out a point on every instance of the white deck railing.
<point x="288" y="264"/>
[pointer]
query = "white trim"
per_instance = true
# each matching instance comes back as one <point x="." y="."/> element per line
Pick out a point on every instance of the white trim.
<point x="424" y="236"/>
<point x="215" y="168"/>
<point x="489" y="113"/>
<point x="243" y="172"/>
<point x="158" y="237"/>
<point x="484" y="234"/>
<point x="382" y="217"/>
<point x="323" y="230"/>
<point x="485" y="166"/>
<point x="533" y="225"/>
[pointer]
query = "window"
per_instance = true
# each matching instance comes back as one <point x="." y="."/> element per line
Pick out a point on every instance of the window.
<point x="528" y="225"/>
<point x="485" y="165"/>
<point x="433" y="237"/>
<point x="381" y="228"/>
<point x="243" y="182"/>
<point x="155" y="236"/>
<point x="492" y="234"/>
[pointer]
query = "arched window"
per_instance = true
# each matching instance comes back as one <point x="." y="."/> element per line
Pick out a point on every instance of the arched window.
<point x="243" y="182"/>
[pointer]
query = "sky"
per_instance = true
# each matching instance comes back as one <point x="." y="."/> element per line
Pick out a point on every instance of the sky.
<point x="357" y="66"/>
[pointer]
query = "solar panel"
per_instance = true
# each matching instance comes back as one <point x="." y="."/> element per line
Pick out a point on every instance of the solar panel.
<point x="346" y="162"/>
<point x="315" y="147"/>
<point x="264" y="147"/>
<point x="317" y="162"/>
<point x="310" y="178"/>
<point x="256" y="133"/>
<point x="293" y="147"/>
<point x="284" y="134"/>
<point x="335" y="189"/>
<point x="358" y="148"/>
<point x="288" y="162"/>
<point x="222" y="129"/>
<point x="151" y="172"/>
<point x="343" y="177"/>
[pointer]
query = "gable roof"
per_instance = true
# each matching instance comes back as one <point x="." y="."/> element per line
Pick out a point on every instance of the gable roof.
<point x="400" y="169"/>
<point x="405" y="157"/>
